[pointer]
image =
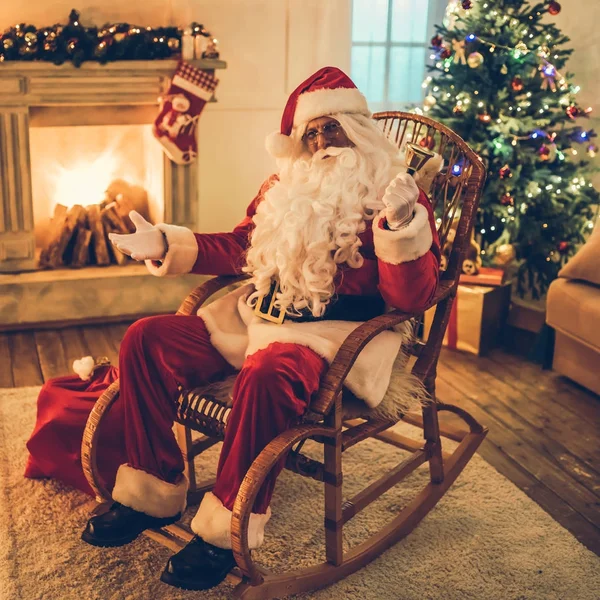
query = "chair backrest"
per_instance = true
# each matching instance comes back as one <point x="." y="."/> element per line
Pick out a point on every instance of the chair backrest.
<point x="455" y="190"/>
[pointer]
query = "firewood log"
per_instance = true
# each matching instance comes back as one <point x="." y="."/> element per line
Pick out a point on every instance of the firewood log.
<point x="124" y="206"/>
<point x="112" y="219"/>
<point x="63" y="233"/>
<point x="81" y="251"/>
<point x="98" y="245"/>
<point x="76" y="220"/>
<point x="56" y="226"/>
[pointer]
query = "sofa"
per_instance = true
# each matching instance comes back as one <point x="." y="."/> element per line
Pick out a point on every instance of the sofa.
<point x="573" y="311"/>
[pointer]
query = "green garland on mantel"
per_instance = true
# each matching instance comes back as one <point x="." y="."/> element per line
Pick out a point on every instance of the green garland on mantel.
<point x="120" y="41"/>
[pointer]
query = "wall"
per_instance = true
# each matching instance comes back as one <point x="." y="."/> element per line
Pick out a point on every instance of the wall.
<point x="270" y="46"/>
<point x="579" y="20"/>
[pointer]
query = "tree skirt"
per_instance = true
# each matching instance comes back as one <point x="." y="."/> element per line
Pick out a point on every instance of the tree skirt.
<point x="485" y="539"/>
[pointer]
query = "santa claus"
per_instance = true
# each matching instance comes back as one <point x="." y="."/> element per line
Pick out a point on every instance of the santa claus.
<point x="339" y="233"/>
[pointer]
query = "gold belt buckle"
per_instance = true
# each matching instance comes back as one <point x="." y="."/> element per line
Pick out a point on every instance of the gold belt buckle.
<point x="265" y="308"/>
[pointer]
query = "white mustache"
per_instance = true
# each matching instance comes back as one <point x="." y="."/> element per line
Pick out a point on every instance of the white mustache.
<point x="330" y="151"/>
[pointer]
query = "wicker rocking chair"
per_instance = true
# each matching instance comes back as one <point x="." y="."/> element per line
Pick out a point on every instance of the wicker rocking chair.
<point x="455" y="192"/>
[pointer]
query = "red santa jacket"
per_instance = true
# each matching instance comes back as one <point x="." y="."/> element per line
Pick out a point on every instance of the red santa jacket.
<point x="402" y="267"/>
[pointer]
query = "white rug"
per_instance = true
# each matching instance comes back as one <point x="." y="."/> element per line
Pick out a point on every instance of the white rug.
<point x="485" y="540"/>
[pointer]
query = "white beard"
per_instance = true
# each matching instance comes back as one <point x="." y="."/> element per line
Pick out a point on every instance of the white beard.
<point x="308" y="224"/>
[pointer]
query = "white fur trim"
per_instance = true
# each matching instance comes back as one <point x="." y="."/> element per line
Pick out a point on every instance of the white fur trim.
<point x="226" y="320"/>
<point x="406" y="244"/>
<point x="212" y="523"/>
<point x="329" y="102"/>
<point x="279" y="145"/>
<point x="149" y="494"/>
<point x="181" y="255"/>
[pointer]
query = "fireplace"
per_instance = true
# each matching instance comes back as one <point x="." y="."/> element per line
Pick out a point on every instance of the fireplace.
<point x="66" y="134"/>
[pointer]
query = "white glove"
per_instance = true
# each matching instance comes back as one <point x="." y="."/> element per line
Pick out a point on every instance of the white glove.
<point x="147" y="243"/>
<point x="400" y="198"/>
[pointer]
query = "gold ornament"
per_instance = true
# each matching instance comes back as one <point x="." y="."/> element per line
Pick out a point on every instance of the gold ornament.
<point x="475" y="60"/>
<point x="505" y="254"/>
<point x="7" y="44"/>
<point x="119" y="37"/>
<point x="173" y="43"/>
<point x="504" y="69"/>
<point x="543" y="52"/>
<point x="429" y="101"/>
<point x="522" y="48"/>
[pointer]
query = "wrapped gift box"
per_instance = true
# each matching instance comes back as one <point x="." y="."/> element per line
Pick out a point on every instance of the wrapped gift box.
<point x="477" y="319"/>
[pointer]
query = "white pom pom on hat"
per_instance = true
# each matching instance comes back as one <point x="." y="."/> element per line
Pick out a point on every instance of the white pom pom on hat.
<point x="279" y="145"/>
<point x="326" y="92"/>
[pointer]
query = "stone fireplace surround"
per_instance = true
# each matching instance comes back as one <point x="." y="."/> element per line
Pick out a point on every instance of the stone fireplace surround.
<point x="39" y="93"/>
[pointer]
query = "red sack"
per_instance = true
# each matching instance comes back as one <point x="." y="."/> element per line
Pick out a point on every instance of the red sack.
<point x="63" y="407"/>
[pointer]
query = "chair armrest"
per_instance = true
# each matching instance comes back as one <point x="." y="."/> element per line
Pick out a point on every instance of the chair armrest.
<point x="198" y="296"/>
<point x="356" y="340"/>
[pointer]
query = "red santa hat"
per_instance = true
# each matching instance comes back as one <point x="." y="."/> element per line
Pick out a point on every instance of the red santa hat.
<point x="327" y="92"/>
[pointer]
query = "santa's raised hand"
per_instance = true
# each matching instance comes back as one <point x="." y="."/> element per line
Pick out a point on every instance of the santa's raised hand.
<point x="399" y="199"/>
<point x="147" y="243"/>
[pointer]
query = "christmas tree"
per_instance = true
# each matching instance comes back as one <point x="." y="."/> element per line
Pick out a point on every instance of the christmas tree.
<point x="499" y="82"/>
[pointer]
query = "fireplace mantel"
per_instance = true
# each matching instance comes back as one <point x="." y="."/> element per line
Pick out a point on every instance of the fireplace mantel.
<point x="135" y="82"/>
<point x="43" y="94"/>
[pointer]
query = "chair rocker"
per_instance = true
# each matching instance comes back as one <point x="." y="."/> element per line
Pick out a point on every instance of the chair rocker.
<point x="454" y="193"/>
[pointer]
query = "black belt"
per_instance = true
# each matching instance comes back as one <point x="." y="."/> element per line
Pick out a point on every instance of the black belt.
<point x="341" y="307"/>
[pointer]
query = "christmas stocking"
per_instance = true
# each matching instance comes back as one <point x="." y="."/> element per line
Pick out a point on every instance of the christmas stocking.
<point x="175" y="126"/>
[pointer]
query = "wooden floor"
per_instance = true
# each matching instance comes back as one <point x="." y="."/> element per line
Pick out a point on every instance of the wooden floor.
<point x="544" y="431"/>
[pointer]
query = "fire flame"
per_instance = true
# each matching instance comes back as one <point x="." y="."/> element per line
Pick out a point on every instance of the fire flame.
<point x="85" y="181"/>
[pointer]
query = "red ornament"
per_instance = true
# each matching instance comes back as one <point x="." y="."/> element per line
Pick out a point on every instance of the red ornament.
<point x="427" y="142"/>
<point x="554" y="7"/>
<point x="445" y="53"/>
<point x="544" y="152"/>
<point x="505" y="172"/>
<point x="516" y="84"/>
<point x="563" y="247"/>
<point x="437" y="41"/>
<point x="457" y="110"/>
<point x="572" y="111"/>
<point x="484" y="117"/>
<point x="507" y="200"/>
<point x="467" y="4"/>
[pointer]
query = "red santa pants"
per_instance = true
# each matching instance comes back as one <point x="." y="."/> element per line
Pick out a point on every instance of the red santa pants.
<point x="272" y="390"/>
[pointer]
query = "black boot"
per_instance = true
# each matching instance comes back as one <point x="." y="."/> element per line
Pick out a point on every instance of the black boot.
<point x="121" y="525"/>
<point x="198" y="566"/>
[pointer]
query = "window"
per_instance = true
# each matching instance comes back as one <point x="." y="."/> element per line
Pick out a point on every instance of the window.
<point x="390" y="48"/>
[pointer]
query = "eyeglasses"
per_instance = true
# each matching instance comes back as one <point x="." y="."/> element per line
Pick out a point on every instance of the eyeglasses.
<point x="329" y="131"/>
